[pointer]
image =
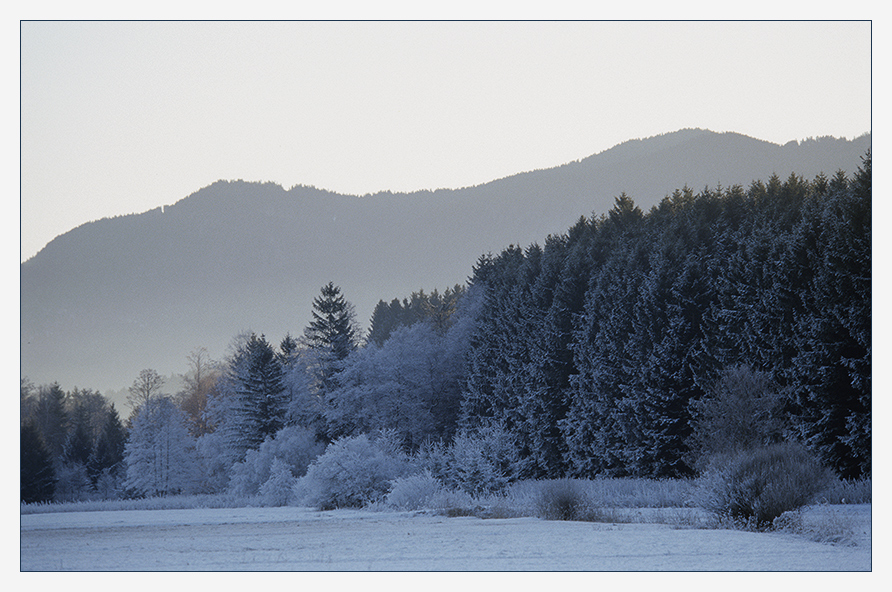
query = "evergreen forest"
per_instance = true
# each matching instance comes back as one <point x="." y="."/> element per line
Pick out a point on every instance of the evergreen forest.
<point x="603" y="351"/>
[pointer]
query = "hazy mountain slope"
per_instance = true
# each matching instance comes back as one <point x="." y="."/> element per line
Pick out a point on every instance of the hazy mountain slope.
<point x="114" y="296"/>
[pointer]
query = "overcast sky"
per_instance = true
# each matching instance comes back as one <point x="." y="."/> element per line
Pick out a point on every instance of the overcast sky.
<point x="121" y="117"/>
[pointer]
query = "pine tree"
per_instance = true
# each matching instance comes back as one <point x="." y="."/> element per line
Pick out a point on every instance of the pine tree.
<point x="107" y="455"/>
<point x="385" y="318"/>
<point x="598" y="424"/>
<point x="331" y="335"/>
<point x="79" y="443"/>
<point x="332" y="328"/>
<point x="832" y="366"/>
<point x="37" y="478"/>
<point x="51" y="418"/>
<point x="260" y="393"/>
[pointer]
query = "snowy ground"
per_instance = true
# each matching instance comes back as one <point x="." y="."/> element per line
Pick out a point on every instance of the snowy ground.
<point x="284" y="539"/>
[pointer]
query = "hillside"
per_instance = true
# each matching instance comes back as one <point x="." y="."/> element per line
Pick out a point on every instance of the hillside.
<point x="114" y="296"/>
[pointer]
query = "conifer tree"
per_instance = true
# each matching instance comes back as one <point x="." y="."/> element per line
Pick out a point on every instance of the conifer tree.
<point x="37" y="477"/>
<point x="260" y="393"/>
<point x="385" y="318"/>
<point x="832" y="365"/>
<point x="51" y="418"/>
<point x="331" y="335"/>
<point x="108" y="452"/>
<point x="332" y="327"/>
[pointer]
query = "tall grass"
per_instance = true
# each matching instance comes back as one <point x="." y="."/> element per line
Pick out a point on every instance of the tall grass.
<point x="172" y="502"/>
<point x="520" y="499"/>
<point x="617" y="492"/>
<point x="844" y="491"/>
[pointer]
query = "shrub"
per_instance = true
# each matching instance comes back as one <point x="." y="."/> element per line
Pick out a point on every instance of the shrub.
<point x="296" y="447"/>
<point x="740" y="412"/>
<point x="831" y="527"/>
<point x="562" y="499"/>
<point x="73" y="483"/>
<point x="848" y="491"/>
<point x="482" y="462"/>
<point x="277" y="490"/>
<point x="434" y="458"/>
<point x="757" y="486"/>
<point x="353" y="472"/>
<point x="414" y="492"/>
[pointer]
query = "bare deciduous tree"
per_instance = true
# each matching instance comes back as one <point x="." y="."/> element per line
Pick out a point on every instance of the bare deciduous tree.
<point x="146" y="387"/>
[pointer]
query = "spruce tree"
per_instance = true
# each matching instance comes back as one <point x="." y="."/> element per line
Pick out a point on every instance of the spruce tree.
<point x="260" y="392"/>
<point x="108" y="452"/>
<point x="832" y="366"/>
<point x="51" y="418"/>
<point x="37" y="478"/>
<point x="332" y="333"/>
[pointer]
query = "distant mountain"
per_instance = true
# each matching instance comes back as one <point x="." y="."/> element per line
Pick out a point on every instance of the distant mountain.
<point x="111" y="297"/>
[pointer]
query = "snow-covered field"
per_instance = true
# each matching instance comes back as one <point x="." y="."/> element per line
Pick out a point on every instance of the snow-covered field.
<point x="288" y="538"/>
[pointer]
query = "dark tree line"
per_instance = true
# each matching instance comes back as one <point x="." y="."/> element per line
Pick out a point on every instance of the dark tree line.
<point x="594" y="349"/>
<point x="434" y="307"/>
<point x="72" y="443"/>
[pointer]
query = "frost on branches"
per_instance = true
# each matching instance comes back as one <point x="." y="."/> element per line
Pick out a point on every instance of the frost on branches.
<point x="160" y="454"/>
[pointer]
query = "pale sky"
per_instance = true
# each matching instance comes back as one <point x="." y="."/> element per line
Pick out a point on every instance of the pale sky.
<point x="122" y="117"/>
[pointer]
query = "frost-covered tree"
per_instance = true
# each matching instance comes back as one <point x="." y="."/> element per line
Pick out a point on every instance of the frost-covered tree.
<point x="411" y="383"/>
<point x="306" y="404"/>
<point x="483" y="461"/>
<point x="743" y="410"/>
<point x="277" y="490"/>
<point x="73" y="483"/>
<point x="353" y="471"/>
<point x="294" y="446"/>
<point x="160" y="452"/>
<point x="198" y="383"/>
<point x="405" y="385"/>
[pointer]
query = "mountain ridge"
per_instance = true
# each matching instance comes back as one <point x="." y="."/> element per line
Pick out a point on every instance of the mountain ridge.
<point x="116" y="295"/>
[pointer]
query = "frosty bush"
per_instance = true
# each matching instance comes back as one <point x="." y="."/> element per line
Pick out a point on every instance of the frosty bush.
<point x="414" y="492"/>
<point x="848" y="491"/>
<point x="294" y="446"/>
<point x="215" y="459"/>
<point x="740" y="412"/>
<point x="759" y="485"/>
<point x="73" y="483"/>
<point x="109" y="484"/>
<point x="277" y="490"/>
<point x="562" y="499"/>
<point x="353" y="472"/>
<point x="434" y="457"/>
<point x="482" y="462"/>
